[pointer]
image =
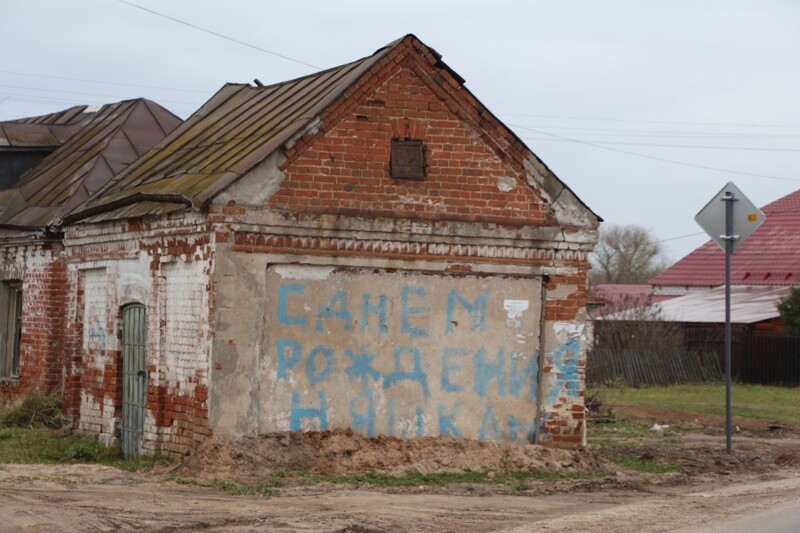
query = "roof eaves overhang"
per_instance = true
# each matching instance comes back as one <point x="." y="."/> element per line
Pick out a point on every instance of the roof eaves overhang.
<point x="128" y="200"/>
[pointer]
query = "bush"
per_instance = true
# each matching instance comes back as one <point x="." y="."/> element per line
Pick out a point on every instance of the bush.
<point x="789" y="309"/>
<point x="84" y="451"/>
<point x="34" y="411"/>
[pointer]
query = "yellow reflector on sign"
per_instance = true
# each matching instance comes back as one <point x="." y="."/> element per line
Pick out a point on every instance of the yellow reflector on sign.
<point x="752" y="217"/>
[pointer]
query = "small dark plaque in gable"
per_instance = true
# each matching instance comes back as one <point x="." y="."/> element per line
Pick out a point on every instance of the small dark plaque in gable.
<point x="408" y="159"/>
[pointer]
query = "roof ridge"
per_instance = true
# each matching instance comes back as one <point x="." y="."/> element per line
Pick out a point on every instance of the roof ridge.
<point x="240" y="126"/>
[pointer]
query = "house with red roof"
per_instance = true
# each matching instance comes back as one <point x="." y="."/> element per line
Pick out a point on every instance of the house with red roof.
<point x="691" y="294"/>
<point x="768" y="261"/>
<point x="769" y="257"/>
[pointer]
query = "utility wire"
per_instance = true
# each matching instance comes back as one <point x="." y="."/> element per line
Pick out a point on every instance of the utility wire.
<point x="42" y="98"/>
<point x="661" y="145"/>
<point x="681" y="236"/>
<point x="60" y="91"/>
<point x="221" y="36"/>
<point x="101" y="82"/>
<point x="725" y="124"/>
<point x="654" y="158"/>
<point x="662" y="133"/>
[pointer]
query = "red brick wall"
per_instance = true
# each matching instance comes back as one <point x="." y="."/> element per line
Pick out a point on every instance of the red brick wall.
<point x="166" y="266"/>
<point x="42" y="271"/>
<point x="563" y="417"/>
<point x="345" y="167"/>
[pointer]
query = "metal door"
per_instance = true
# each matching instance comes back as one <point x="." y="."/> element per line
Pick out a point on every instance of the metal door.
<point x="134" y="378"/>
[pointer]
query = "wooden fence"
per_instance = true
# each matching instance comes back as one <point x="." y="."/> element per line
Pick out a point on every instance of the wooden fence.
<point x="755" y="357"/>
<point x="639" y="368"/>
<point x="769" y="360"/>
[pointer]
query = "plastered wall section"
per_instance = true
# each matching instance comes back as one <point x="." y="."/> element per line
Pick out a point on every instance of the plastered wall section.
<point x="166" y="267"/>
<point x="486" y="206"/>
<point x="380" y="352"/>
<point x="41" y="268"/>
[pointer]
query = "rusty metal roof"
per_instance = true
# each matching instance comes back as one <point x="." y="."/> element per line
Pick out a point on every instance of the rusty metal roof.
<point x="73" y="115"/>
<point x="234" y="131"/>
<point x="229" y="135"/>
<point x="45" y="131"/>
<point x="114" y="136"/>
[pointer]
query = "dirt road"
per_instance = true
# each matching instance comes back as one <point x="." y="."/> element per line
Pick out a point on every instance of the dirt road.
<point x="96" y="498"/>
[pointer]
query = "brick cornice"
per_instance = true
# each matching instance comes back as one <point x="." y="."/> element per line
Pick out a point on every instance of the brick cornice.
<point x="244" y="241"/>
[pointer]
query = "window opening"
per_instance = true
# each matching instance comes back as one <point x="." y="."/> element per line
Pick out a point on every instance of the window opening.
<point x="13" y="333"/>
<point x="408" y="159"/>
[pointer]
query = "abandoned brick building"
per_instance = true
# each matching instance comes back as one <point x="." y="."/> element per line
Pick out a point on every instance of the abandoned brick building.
<point x="367" y="247"/>
<point x="49" y="165"/>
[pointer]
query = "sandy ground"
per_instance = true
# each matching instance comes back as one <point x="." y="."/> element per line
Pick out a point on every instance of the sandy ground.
<point x="712" y="488"/>
<point x="95" y="498"/>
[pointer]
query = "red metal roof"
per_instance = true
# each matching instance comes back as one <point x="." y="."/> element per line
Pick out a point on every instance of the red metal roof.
<point x="771" y="256"/>
<point x="619" y="297"/>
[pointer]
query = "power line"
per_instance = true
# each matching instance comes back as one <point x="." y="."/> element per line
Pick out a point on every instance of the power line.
<point x="101" y="82"/>
<point x="221" y="36"/>
<point x="36" y="98"/>
<point x="60" y="91"/>
<point x="664" y="133"/>
<point x="724" y="124"/>
<point x="654" y="158"/>
<point x="661" y="145"/>
<point x="681" y="237"/>
<point x="42" y="98"/>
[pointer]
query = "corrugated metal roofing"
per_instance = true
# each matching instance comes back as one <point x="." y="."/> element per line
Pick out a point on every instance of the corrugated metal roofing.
<point x="73" y="115"/>
<point x="44" y="131"/>
<point x="771" y="256"/>
<point x="618" y="297"/>
<point x="748" y="306"/>
<point x="104" y="145"/>
<point x="233" y="132"/>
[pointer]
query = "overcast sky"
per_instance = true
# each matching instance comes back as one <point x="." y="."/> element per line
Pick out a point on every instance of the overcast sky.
<point x="624" y="100"/>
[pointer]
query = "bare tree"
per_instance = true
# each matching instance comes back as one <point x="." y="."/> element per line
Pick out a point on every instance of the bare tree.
<point x="634" y="323"/>
<point x="626" y="254"/>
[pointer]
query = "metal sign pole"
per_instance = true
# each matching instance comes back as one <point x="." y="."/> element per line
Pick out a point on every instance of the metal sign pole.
<point x="728" y="198"/>
<point x="729" y="230"/>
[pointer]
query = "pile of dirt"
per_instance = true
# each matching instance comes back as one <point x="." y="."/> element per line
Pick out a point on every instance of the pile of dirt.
<point x="252" y="459"/>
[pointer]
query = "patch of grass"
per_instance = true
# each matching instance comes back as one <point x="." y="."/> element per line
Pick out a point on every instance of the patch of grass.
<point x="231" y="487"/>
<point x="621" y="431"/>
<point x="42" y="445"/>
<point x="183" y="480"/>
<point x="749" y="401"/>
<point x="34" y="411"/>
<point x="518" y="481"/>
<point x="414" y="478"/>
<point x="642" y="464"/>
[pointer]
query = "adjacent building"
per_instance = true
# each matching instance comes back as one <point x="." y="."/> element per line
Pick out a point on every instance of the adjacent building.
<point x="51" y="164"/>
<point x="364" y="248"/>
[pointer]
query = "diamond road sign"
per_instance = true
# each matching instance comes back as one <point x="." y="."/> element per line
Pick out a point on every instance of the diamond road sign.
<point x="746" y="217"/>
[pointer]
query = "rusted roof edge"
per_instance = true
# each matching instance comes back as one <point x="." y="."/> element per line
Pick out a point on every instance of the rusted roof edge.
<point x="483" y="109"/>
<point x="128" y="200"/>
<point x="21" y="228"/>
<point x="339" y="90"/>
